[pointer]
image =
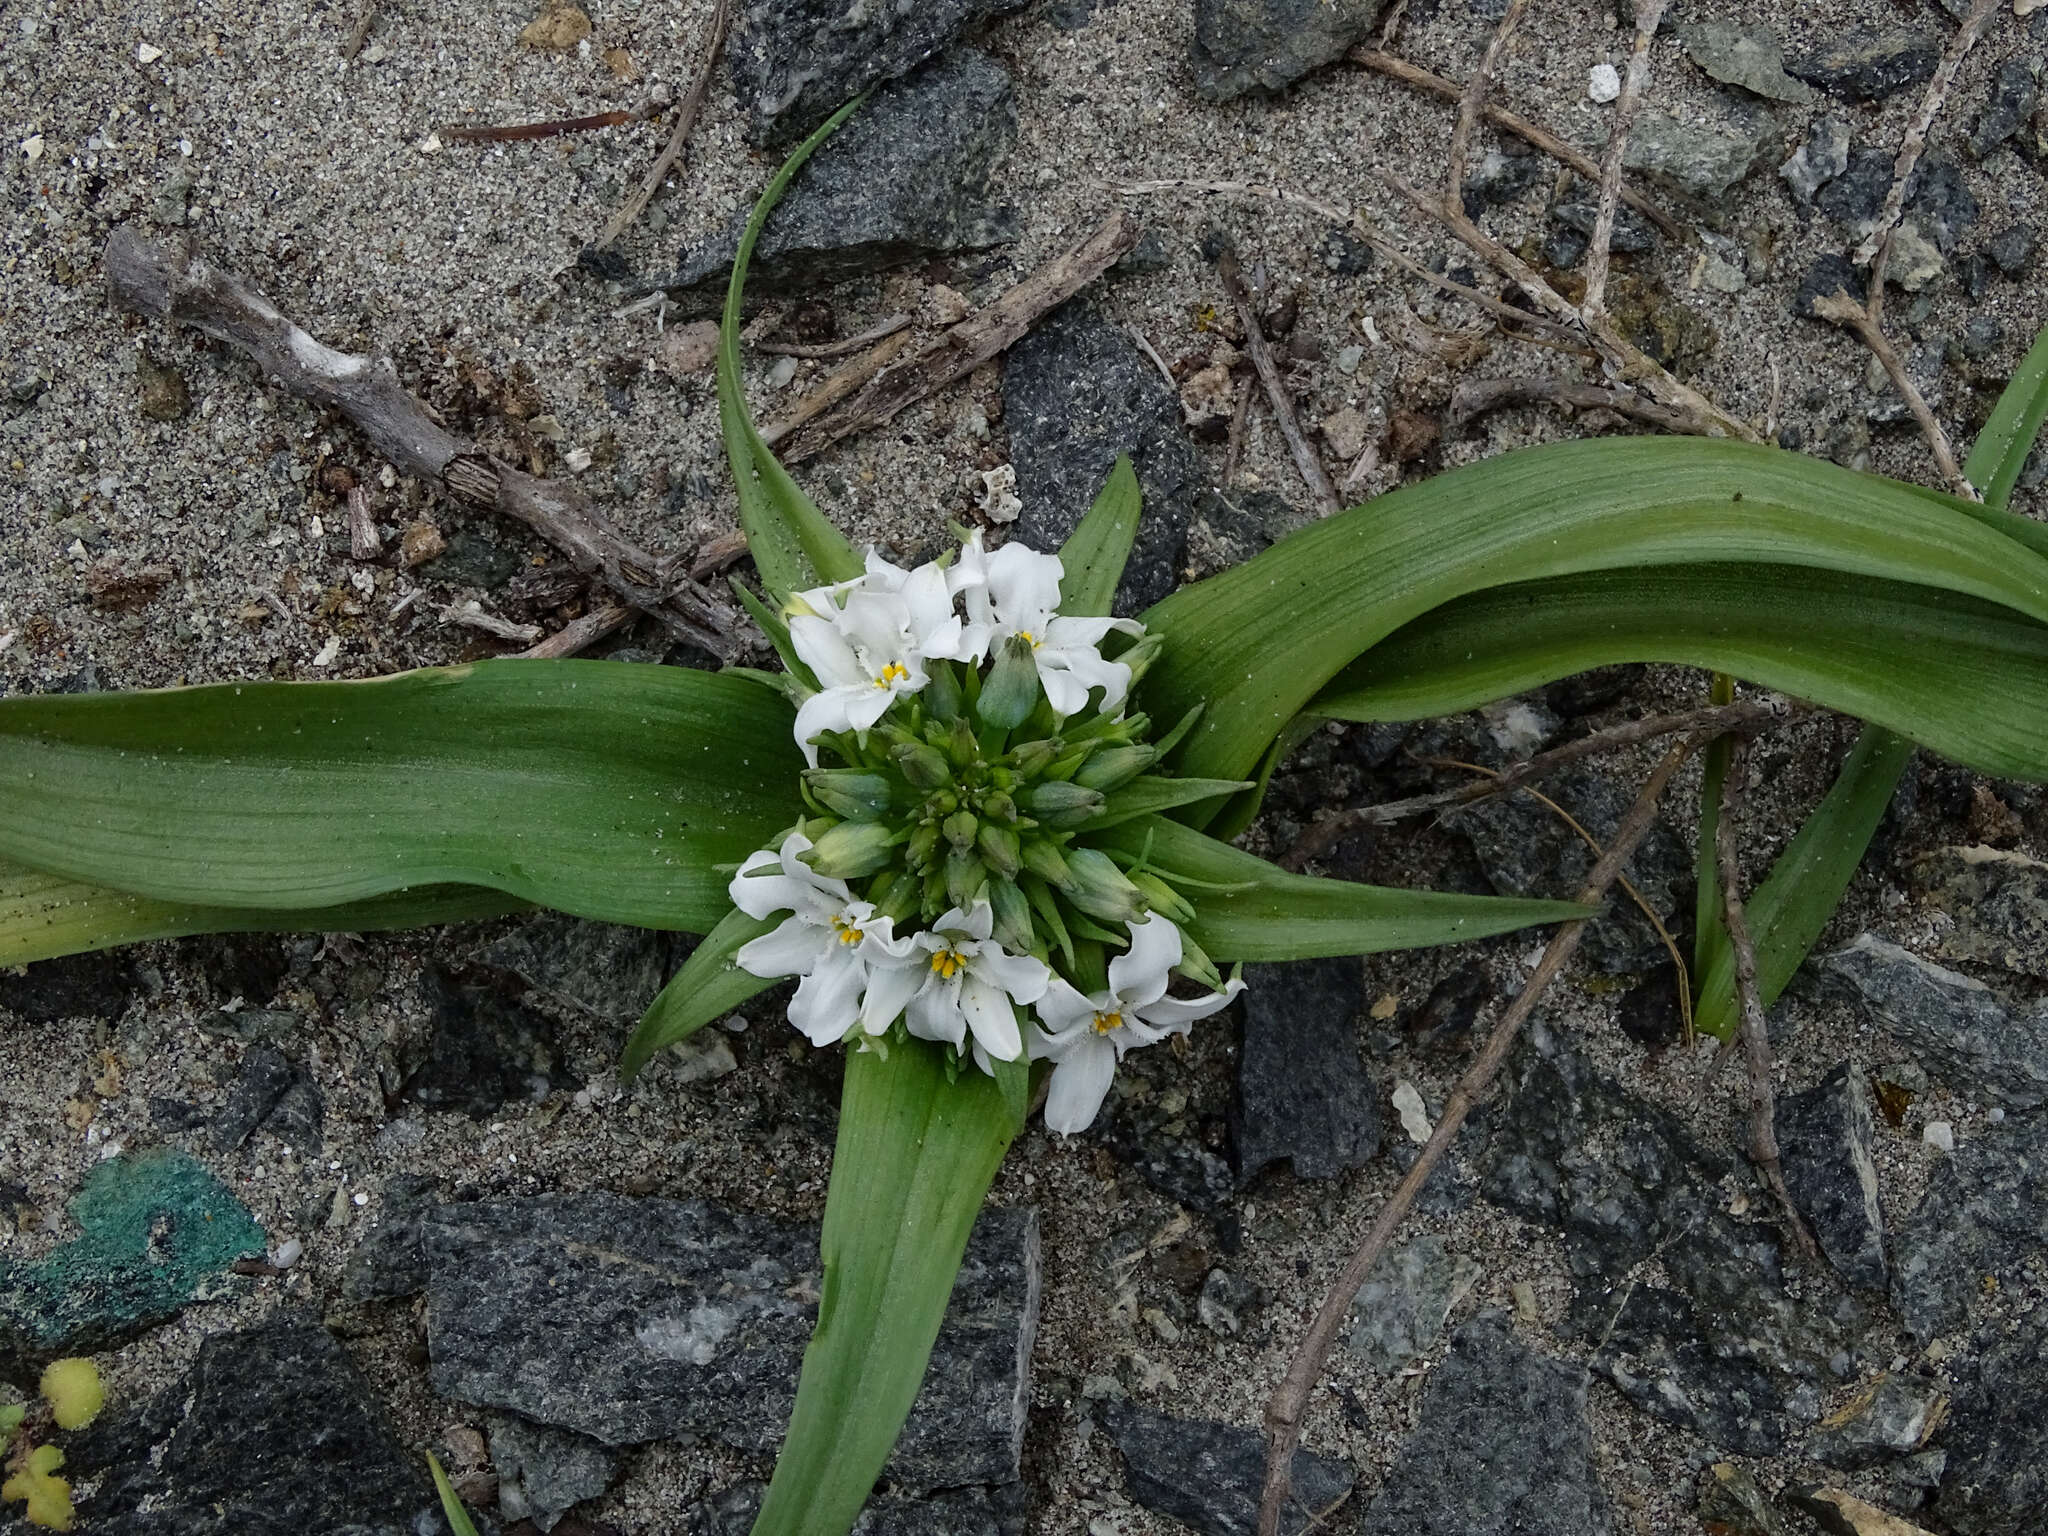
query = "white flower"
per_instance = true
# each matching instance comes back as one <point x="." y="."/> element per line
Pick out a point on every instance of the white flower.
<point x="1016" y="591"/>
<point x="835" y="943"/>
<point x="867" y="642"/>
<point x="1085" y="1037"/>
<point x="961" y="981"/>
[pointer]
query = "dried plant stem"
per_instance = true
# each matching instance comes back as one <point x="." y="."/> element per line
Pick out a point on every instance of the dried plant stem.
<point x="1240" y="419"/>
<point x="1756" y="1040"/>
<point x="1648" y="14"/>
<point x="359" y="33"/>
<point x="840" y="348"/>
<point x="1263" y="363"/>
<point x="686" y="120"/>
<point x="1290" y="1399"/>
<point x="1228" y="189"/>
<point x="1865" y="322"/>
<point x="1475" y="397"/>
<point x="1500" y="311"/>
<point x="836" y="386"/>
<point x="574" y="638"/>
<point x="1472" y="100"/>
<point x="551" y="128"/>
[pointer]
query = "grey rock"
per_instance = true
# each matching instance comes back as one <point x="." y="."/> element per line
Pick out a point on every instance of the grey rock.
<point x="1938" y="193"/>
<point x="1923" y="364"/>
<point x="1984" y="1215"/>
<point x="1224" y="1301"/>
<point x="1894" y="1416"/>
<point x="1500" y="178"/>
<point x="1077" y="393"/>
<point x="1731" y="1504"/>
<point x="1997" y="904"/>
<point x="485" y="1050"/>
<point x="1863" y="65"/>
<point x="1401" y="1309"/>
<point x="273" y="1433"/>
<point x="1657" y="1354"/>
<point x="1982" y="336"/>
<point x="1526" y="851"/>
<point x="2012" y="250"/>
<point x="164" y="395"/>
<point x="1819" y="160"/>
<point x="1176" y="1165"/>
<point x="1208" y="1476"/>
<point x="635" y="1320"/>
<point x="1953" y="1023"/>
<point x="1824" y="1138"/>
<point x="796" y="62"/>
<point x="1746" y="56"/>
<point x="1150" y="254"/>
<point x="270" y="1091"/>
<point x="94" y="986"/>
<point x="1301" y="1091"/>
<point x="473" y="560"/>
<point x="907" y="177"/>
<point x="1633" y="234"/>
<point x="605" y="970"/>
<point x="1263" y="45"/>
<point x="1004" y="1510"/>
<point x="1855" y="194"/>
<point x="1345" y="254"/>
<point x="1442" y="1026"/>
<point x="2014" y="95"/>
<point x="543" y="1471"/>
<point x="1702" y="159"/>
<point x="388" y="1262"/>
<point x="1995" y="1482"/>
<point x="1503" y="1447"/>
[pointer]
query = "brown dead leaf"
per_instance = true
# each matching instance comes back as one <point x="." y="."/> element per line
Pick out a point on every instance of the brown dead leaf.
<point x="124" y="591"/>
<point x="620" y="62"/>
<point x="420" y="543"/>
<point x="557" y="29"/>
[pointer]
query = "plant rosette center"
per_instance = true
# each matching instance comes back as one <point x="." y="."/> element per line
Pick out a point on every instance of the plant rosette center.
<point x="964" y="739"/>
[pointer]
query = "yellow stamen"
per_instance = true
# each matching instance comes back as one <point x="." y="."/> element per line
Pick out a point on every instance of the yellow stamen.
<point x="1108" y="1023"/>
<point x="895" y="672"/>
<point x="947" y="962"/>
<point x="848" y="934"/>
<point x="1031" y="639"/>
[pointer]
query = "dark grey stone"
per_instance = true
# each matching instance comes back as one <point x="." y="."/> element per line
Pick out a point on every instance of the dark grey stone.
<point x="486" y="1049"/>
<point x="635" y="1320"/>
<point x="1501" y="177"/>
<point x="1345" y="254"/>
<point x="1527" y="851"/>
<point x="2014" y="95"/>
<point x="1503" y="1447"/>
<point x="388" y="1261"/>
<point x="1301" y="1091"/>
<point x="1984" y="1215"/>
<point x="1863" y="65"/>
<point x="605" y="970"/>
<point x="1704" y="158"/>
<point x="1004" y="1510"/>
<point x="1854" y="196"/>
<point x="1658" y="1357"/>
<point x="1997" y="903"/>
<point x="1077" y="393"/>
<point x="1939" y="194"/>
<point x="1894" y="1416"/>
<point x="1828" y="276"/>
<point x="1982" y="336"/>
<point x="473" y="560"/>
<point x="2012" y="250"/>
<point x="279" y="1436"/>
<point x="1177" y="1166"/>
<point x="543" y="1471"/>
<point x="907" y="177"/>
<point x="796" y="62"/>
<point x="1819" y="160"/>
<point x="1955" y="1025"/>
<point x="1263" y="45"/>
<point x="1995" y="1482"/>
<point x="96" y="986"/>
<point x="1746" y="56"/>
<point x="1824" y="1139"/>
<point x="1442" y="1026"/>
<point x="1974" y="273"/>
<point x="1731" y="1504"/>
<point x="1225" y="1301"/>
<point x="270" y="1091"/>
<point x="1633" y="234"/>
<point x="1400" y="1311"/>
<point x="1208" y="1476"/>
<point x="1150" y="254"/>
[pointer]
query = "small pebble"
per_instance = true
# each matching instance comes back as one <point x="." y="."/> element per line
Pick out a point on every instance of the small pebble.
<point x="1348" y="359"/>
<point x="783" y="371"/>
<point x="32" y="148"/>
<point x="286" y="1253"/>
<point x="576" y="460"/>
<point x="1940" y="1135"/>
<point x="147" y="53"/>
<point x="1604" y="84"/>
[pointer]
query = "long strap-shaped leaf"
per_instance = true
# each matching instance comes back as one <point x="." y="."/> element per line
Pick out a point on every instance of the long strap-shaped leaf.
<point x="707" y="986"/>
<point x="915" y="1158"/>
<point x="603" y="789"/>
<point x="44" y="915"/>
<point x="1266" y="913"/>
<point x="1094" y="556"/>
<point x="1260" y="641"/>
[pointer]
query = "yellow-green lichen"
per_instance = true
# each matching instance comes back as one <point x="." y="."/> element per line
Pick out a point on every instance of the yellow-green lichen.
<point x="48" y="1495"/>
<point x="72" y="1389"/>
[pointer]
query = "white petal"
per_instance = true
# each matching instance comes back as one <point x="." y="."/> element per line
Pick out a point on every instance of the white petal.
<point x="890" y="989"/>
<point x="868" y="704"/>
<point x="977" y="922"/>
<point x="828" y="1000"/>
<point x="1021" y="976"/>
<point x="1138" y="976"/>
<point x="1025" y="586"/>
<point x="1064" y="1006"/>
<point x="1079" y="1085"/>
<point x="823" y="712"/>
<point x="832" y="895"/>
<point x="824" y="649"/>
<point x="1170" y="1011"/>
<point x="934" y="1013"/>
<point x="1067" y="694"/>
<point x="791" y="949"/>
<point x="991" y="1017"/>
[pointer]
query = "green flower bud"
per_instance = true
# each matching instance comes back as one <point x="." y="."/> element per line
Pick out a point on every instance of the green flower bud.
<point x="1013" y="916"/>
<point x="1165" y="900"/>
<point x="960" y="828"/>
<point x="1011" y="690"/>
<point x="1141" y="655"/>
<point x="850" y="850"/>
<point x="998" y="806"/>
<point x="1100" y="889"/>
<point x="1044" y="861"/>
<point x="960" y="744"/>
<point x="1196" y="965"/>
<point x="1061" y="806"/>
<point x="1114" y="767"/>
<point x="1031" y="758"/>
<point x="854" y="793"/>
<point x="896" y="895"/>
<point x="925" y="767"/>
<point x="965" y="877"/>
<point x="1000" y="849"/>
<point x="941" y="696"/>
<point x="924" y="842"/>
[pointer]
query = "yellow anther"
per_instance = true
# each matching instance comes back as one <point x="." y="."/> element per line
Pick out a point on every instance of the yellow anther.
<point x="1108" y="1023"/>
<point x="947" y="963"/>
<point x="895" y="672"/>
<point x="848" y="934"/>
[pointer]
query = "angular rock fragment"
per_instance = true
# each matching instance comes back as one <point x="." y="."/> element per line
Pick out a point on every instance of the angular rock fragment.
<point x="486" y="1050"/>
<point x="1984" y="1216"/>
<point x="1819" y="160"/>
<point x="1896" y="1415"/>
<point x="1841" y="1513"/>
<point x="1997" y="904"/>
<point x="543" y="1471"/>
<point x="1864" y="65"/>
<point x="1746" y="56"/>
<point x="2014" y="95"/>
<point x="1995" y="1482"/>
<point x="1401" y="1309"/>
<point x="1731" y="1504"/>
<point x="1263" y="45"/>
<point x="1208" y="1476"/>
<point x="1701" y="159"/>
<point x="1824" y="1138"/>
<point x="1004" y="1510"/>
<point x="1301" y="1093"/>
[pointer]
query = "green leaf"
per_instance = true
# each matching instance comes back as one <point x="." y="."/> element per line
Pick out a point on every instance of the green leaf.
<point x="451" y="1506"/>
<point x="1268" y="914"/>
<point x="1146" y="796"/>
<point x="44" y="915"/>
<point x="1231" y="821"/>
<point x="1966" y="678"/>
<point x="794" y="545"/>
<point x="708" y="987"/>
<point x="916" y="1156"/>
<point x="606" y="790"/>
<point x="2001" y="449"/>
<point x="1097" y="550"/>
<point x="1260" y="641"/>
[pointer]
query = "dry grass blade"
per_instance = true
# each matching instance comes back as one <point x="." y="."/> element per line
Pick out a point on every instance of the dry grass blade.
<point x="1649" y="13"/>
<point x="841" y="348"/>
<point x="686" y="120"/>
<point x="1263" y="363"/>
<point x="1474" y="398"/>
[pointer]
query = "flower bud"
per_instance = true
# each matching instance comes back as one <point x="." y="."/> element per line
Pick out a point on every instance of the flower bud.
<point x="1141" y="655"/>
<point x="854" y="793"/>
<point x="1000" y="849"/>
<point x="896" y="896"/>
<point x="1011" y="690"/>
<point x="941" y="696"/>
<point x="960" y="828"/>
<point x="1100" y="889"/>
<point x="925" y="767"/>
<point x="1061" y="806"/>
<point x="924" y="842"/>
<point x="1013" y="916"/>
<point x="850" y="850"/>
<point x="1031" y="758"/>
<point x="998" y="807"/>
<point x="1044" y="861"/>
<point x="961" y="746"/>
<point x="1165" y="900"/>
<point x="965" y="877"/>
<point x="1196" y="965"/>
<point x="1114" y="767"/>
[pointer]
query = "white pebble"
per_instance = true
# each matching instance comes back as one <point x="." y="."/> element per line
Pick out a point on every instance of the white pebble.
<point x="1414" y="1114"/>
<point x="147" y="53"/>
<point x="1604" y="84"/>
<point x="1994" y="1115"/>
<point x="783" y="371"/>
<point x="286" y="1253"/>
<point x="328" y="652"/>
<point x="1940" y="1135"/>
<point x="361" y="1198"/>
<point x="32" y="148"/>
<point x="576" y="460"/>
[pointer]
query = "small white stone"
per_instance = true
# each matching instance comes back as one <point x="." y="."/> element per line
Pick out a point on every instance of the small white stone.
<point x="1604" y="84"/>
<point x="361" y="1198"/>
<point x="1348" y="359"/>
<point x="783" y="371"/>
<point x="328" y="652"/>
<point x="147" y="53"/>
<point x="315" y="528"/>
<point x="431" y="144"/>
<point x="576" y="460"/>
<point x="32" y="148"/>
<point x="185" y="148"/>
<point x="1994" y="1115"/>
<point x="1940" y="1135"/>
<point x="286" y="1253"/>
<point x="1414" y="1114"/>
<point x="375" y="54"/>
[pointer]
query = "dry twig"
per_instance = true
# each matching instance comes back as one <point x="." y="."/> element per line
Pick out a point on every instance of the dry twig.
<point x="1472" y="100"/>
<point x="551" y="128"/>
<point x="1290" y="1399"/>
<point x="1475" y="397"/>
<point x="153" y="279"/>
<point x="1493" y="306"/>
<point x="579" y="636"/>
<point x="1228" y="189"/>
<point x="1240" y="419"/>
<point x="363" y="543"/>
<point x="686" y="120"/>
<point x="1866" y="320"/>
<point x="1648" y="14"/>
<point x="841" y="382"/>
<point x="473" y="615"/>
<point x="840" y="348"/>
<point x="1305" y="457"/>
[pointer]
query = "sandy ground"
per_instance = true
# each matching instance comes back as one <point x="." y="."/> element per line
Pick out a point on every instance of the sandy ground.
<point x="316" y="181"/>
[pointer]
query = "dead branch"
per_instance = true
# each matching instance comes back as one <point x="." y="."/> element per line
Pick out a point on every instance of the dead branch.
<point x="1384" y="63"/>
<point x="1290" y="1399"/>
<point x="1916" y="136"/>
<point x="156" y="280"/>
<point x="1864" y="320"/>
<point x="473" y="615"/>
<point x="957" y="352"/>
<point x="1717" y="717"/>
<point x="1305" y="457"/>
<point x="1240" y="419"/>
<point x="686" y="120"/>
<point x="1228" y="189"/>
<point x="1473" y="98"/>
<point x="840" y="348"/>
<point x="552" y="128"/>
<point x="575" y="638"/>
<point x="841" y="382"/>
<point x="1756" y="1040"/>
<point x="363" y="543"/>
<point x="1476" y="397"/>
<point x="1648" y="14"/>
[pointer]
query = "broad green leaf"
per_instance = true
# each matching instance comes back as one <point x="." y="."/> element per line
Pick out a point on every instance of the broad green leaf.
<point x="915" y="1157"/>
<point x="794" y="545"/>
<point x="458" y="1519"/>
<point x="2001" y="449"/>
<point x="44" y="915"/>
<point x="1274" y="915"/>
<point x="1243" y="809"/>
<point x="1096" y="551"/>
<point x="1146" y="796"/>
<point x="1963" y="677"/>
<point x="708" y="986"/>
<point x="605" y="790"/>
<point x="1262" y="640"/>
